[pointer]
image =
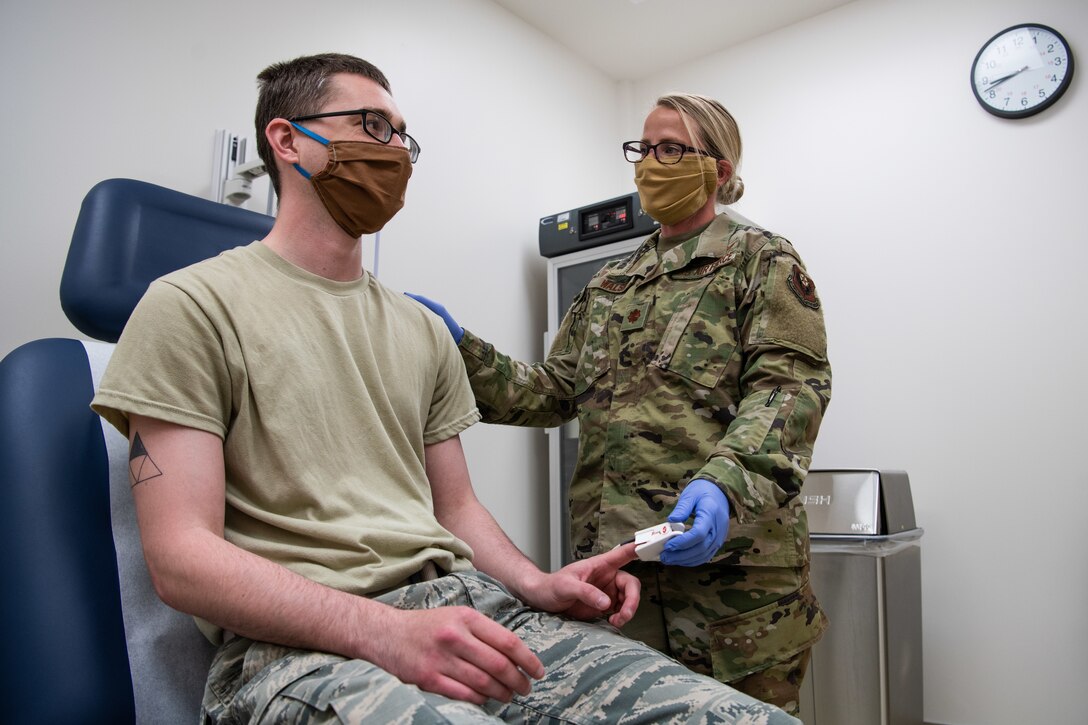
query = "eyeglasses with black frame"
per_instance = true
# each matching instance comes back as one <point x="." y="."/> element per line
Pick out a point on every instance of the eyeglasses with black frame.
<point x="666" y="152"/>
<point x="377" y="126"/>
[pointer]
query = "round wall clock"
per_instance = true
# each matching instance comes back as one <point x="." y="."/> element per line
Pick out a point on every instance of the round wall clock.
<point x="1022" y="70"/>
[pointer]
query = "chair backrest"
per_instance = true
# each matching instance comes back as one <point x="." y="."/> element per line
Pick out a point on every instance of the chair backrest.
<point x="130" y="233"/>
<point x="85" y="637"/>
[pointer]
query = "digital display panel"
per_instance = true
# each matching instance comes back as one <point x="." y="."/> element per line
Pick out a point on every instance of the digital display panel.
<point x="604" y="219"/>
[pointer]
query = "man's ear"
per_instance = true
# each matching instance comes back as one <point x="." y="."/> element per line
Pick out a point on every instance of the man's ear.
<point x="281" y="137"/>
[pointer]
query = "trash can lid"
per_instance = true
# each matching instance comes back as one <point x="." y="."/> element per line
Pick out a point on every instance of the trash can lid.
<point x="858" y="502"/>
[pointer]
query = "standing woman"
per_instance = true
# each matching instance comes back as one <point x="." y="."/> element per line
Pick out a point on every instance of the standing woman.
<point x="697" y="368"/>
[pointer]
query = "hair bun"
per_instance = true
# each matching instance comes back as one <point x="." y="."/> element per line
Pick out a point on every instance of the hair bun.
<point x="732" y="190"/>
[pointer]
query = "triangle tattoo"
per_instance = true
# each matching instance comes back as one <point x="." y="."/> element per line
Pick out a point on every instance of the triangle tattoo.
<point x="140" y="465"/>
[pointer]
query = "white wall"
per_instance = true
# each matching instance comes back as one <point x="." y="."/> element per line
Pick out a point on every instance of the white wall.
<point x="137" y="89"/>
<point x="950" y="249"/>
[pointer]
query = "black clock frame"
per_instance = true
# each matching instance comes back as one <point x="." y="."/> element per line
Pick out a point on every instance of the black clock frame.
<point x="1058" y="92"/>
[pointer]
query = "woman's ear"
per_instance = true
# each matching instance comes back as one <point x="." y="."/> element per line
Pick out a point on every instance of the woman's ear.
<point x="725" y="171"/>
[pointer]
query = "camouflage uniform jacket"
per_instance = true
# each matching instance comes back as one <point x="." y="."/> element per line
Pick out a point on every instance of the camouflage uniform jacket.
<point x="704" y="360"/>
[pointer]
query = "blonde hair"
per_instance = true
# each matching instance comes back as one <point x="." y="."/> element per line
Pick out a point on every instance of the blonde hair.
<point x="713" y="129"/>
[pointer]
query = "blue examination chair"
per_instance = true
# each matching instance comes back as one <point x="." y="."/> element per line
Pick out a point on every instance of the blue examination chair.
<point x="85" y="638"/>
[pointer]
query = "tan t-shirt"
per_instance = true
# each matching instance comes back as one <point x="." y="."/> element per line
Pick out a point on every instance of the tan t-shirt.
<point x="325" y="394"/>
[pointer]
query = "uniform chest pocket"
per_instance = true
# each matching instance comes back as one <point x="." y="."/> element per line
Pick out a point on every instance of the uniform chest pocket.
<point x="701" y="335"/>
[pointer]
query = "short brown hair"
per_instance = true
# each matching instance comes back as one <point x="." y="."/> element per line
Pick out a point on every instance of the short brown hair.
<point x="299" y="87"/>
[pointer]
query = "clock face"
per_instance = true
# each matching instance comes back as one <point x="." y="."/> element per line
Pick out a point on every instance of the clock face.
<point x="1022" y="70"/>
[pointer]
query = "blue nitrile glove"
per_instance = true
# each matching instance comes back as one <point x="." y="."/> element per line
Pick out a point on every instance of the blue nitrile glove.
<point x="456" y="330"/>
<point x="701" y="542"/>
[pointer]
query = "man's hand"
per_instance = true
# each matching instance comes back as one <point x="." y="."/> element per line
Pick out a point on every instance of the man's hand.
<point x="589" y="589"/>
<point x="459" y="653"/>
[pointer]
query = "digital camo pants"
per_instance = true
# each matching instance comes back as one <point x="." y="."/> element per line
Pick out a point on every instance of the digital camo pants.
<point x="593" y="675"/>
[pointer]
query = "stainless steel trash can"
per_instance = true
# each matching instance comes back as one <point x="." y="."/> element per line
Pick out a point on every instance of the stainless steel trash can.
<point x="866" y="572"/>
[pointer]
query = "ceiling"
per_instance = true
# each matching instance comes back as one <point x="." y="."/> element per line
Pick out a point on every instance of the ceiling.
<point x="632" y="39"/>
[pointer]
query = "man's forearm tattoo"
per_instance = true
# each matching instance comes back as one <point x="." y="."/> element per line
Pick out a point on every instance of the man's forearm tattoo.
<point x="140" y="465"/>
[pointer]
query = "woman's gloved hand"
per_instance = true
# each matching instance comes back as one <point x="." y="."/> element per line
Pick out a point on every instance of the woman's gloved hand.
<point x="701" y="542"/>
<point x="451" y="324"/>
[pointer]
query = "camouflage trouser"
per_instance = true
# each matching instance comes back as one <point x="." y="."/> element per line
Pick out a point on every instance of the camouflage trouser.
<point x="750" y="627"/>
<point x="593" y="675"/>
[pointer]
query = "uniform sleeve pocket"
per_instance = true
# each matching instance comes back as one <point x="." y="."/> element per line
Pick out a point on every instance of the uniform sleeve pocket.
<point x="790" y="312"/>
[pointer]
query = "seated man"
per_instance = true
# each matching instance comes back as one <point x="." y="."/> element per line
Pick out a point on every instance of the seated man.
<point x="300" y="483"/>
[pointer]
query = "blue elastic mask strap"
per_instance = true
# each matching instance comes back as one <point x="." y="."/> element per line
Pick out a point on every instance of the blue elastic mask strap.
<point x="320" y="139"/>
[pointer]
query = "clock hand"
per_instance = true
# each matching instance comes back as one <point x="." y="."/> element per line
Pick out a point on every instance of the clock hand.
<point x="1001" y="80"/>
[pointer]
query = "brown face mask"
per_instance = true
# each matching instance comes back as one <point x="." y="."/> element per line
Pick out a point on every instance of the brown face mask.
<point x="671" y="193"/>
<point x="363" y="185"/>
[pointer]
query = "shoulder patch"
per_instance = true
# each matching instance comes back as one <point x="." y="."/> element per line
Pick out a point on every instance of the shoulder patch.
<point x="803" y="287"/>
<point x="779" y="319"/>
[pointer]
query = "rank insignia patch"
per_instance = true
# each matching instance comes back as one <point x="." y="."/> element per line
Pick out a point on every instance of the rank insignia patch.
<point x="804" y="288"/>
<point x="635" y="318"/>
